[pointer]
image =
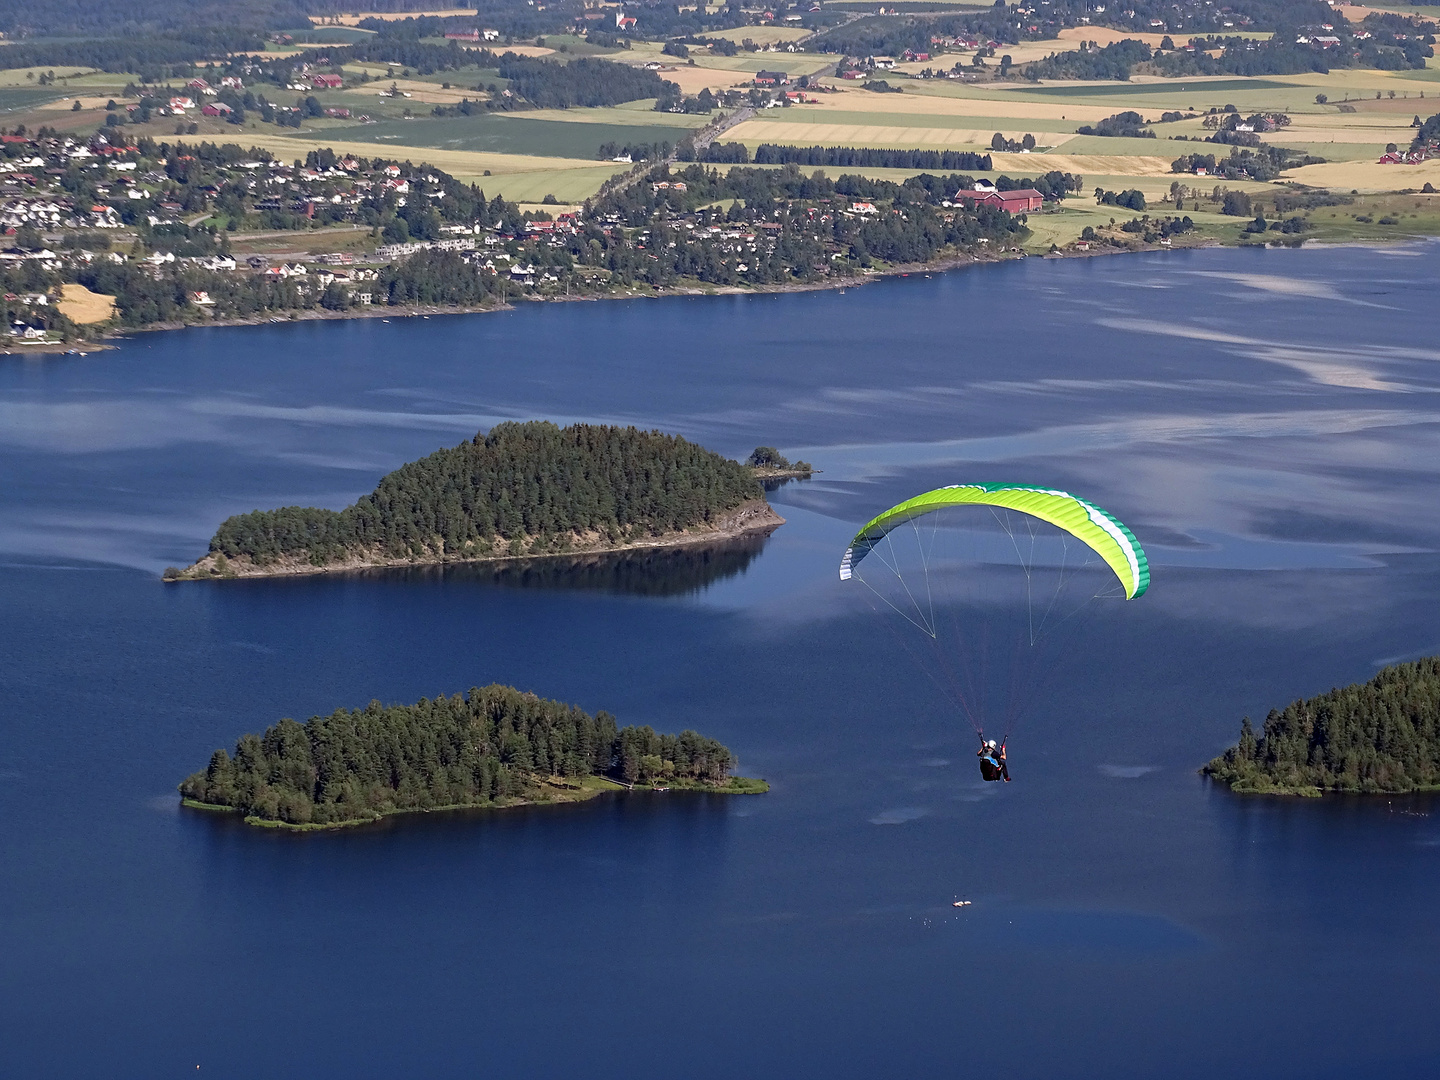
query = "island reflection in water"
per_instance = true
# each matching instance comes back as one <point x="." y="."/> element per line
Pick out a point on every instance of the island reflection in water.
<point x="676" y="571"/>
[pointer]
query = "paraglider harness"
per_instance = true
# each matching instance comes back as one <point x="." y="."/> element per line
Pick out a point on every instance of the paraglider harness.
<point x="992" y="761"/>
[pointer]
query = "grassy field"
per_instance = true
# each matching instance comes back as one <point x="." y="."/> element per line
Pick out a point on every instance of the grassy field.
<point x="13" y="99"/>
<point x="519" y="177"/>
<point x="763" y="35"/>
<point x="500" y="134"/>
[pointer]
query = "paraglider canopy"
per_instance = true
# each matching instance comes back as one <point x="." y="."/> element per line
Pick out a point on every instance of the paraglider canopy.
<point x="998" y="579"/>
<point x="1100" y="531"/>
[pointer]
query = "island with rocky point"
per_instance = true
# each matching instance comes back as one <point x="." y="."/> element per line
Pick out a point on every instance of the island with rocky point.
<point x="521" y="490"/>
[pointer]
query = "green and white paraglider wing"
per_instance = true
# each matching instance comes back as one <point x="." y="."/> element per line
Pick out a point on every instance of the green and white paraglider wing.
<point x="1099" y="530"/>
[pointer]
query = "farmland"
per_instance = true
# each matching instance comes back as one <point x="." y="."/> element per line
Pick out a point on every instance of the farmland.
<point x="457" y="118"/>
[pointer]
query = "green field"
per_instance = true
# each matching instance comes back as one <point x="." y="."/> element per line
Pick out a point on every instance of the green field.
<point x="508" y="135"/>
<point x="1173" y="86"/>
<point x="12" y="98"/>
<point x="916" y="120"/>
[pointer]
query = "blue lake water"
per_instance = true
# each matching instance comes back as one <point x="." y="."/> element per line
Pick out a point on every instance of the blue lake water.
<point x="1267" y="423"/>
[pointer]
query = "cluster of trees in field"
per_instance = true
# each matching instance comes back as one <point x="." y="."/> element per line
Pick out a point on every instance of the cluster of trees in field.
<point x="1427" y="133"/>
<point x="1131" y="199"/>
<point x="654" y="151"/>
<point x="1125" y="125"/>
<point x="1260" y="163"/>
<point x="1113" y="61"/>
<point x="1152" y="229"/>
<point x="586" y="82"/>
<point x="864" y="157"/>
<point x="494" y="745"/>
<point x="1378" y="736"/>
<point x="530" y="488"/>
<point x="716" y="153"/>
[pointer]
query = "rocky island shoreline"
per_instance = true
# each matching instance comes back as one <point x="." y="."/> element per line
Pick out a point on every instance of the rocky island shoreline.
<point x="520" y="492"/>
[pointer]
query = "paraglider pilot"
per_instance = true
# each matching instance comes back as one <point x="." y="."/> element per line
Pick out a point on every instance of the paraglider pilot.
<point x="992" y="761"/>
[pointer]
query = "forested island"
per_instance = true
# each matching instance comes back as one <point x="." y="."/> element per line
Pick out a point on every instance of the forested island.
<point x="492" y="747"/>
<point x="522" y="490"/>
<point x="1378" y="736"/>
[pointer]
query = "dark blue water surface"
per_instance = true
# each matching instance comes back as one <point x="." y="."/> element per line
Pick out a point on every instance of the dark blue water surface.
<point x="1267" y="423"/>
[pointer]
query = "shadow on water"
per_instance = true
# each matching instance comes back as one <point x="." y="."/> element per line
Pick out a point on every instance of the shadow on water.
<point x="672" y="807"/>
<point x="660" y="572"/>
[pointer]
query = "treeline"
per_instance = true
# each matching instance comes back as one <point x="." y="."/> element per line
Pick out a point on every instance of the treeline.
<point x="61" y="18"/>
<point x="530" y="488"/>
<point x="1379" y="736"/>
<point x="892" y="34"/>
<point x="158" y="54"/>
<point x="860" y="157"/>
<point x="495" y="745"/>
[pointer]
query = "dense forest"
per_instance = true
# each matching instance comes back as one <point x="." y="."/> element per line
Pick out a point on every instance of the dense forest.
<point x="493" y="746"/>
<point x="1379" y="736"/>
<point x="522" y="489"/>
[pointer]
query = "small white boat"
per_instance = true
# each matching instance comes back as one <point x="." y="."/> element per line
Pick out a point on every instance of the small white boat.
<point x="961" y="903"/>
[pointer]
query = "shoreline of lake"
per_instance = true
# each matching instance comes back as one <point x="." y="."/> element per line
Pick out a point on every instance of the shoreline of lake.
<point x="750" y="518"/>
<point x="561" y="794"/>
<point x="111" y="338"/>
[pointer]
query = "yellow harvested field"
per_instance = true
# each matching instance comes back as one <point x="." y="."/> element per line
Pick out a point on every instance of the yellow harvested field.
<point x="1367" y="175"/>
<point x="68" y="104"/>
<point x="466" y="164"/>
<point x="1084" y="164"/>
<point x="692" y="80"/>
<point x="899" y="138"/>
<point x="762" y="35"/>
<point x="922" y="104"/>
<point x="519" y="50"/>
<point x="79" y="304"/>
<point x="355" y="18"/>
<point x="1360" y="136"/>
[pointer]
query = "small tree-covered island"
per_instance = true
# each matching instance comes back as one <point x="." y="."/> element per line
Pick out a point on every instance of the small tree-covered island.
<point x="1382" y="736"/>
<point x="492" y="747"/>
<point x="521" y="490"/>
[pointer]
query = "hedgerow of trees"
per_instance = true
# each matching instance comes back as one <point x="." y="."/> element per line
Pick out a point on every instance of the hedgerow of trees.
<point x="864" y="157"/>
<point x="530" y="488"/>
<point x="495" y="745"/>
<point x="1378" y="736"/>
